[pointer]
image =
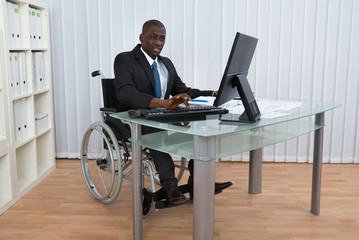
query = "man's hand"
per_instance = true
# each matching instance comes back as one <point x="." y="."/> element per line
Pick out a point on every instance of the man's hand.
<point x="170" y="103"/>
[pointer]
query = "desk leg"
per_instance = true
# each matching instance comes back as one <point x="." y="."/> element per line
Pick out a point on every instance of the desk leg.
<point x="255" y="171"/>
<point x="203" y="192"/>
<point x="136" y="182"/>
<point x="317" y="164"/>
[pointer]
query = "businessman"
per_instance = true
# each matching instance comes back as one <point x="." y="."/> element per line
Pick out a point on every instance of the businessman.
<point x="145" y="79"/>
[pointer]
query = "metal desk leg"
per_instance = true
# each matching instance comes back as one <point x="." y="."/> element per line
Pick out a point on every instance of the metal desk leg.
<point x="136" y="182"/>
<point x="317" y="164"/>
<point x="203" y="192"/>
<point x="255" y="171"/>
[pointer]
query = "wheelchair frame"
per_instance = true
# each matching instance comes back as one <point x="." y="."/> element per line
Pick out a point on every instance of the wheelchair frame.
<point x="106" y="160"/>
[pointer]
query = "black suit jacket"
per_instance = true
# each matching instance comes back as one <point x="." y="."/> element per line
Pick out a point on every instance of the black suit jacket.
<point x="135" y="83"/>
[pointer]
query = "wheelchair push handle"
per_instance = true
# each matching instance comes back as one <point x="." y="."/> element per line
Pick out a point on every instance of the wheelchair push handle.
<point x="97" y="73"/>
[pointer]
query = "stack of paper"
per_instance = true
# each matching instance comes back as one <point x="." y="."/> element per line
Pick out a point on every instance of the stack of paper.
<point x="13" y="14"/>
<point x="18" y="83"/>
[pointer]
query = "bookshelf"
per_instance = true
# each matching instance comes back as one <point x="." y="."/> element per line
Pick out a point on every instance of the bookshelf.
<point x="27" y="147"/>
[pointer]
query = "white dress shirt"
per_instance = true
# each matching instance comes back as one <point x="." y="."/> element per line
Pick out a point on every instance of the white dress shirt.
<point x="162" y="70"/>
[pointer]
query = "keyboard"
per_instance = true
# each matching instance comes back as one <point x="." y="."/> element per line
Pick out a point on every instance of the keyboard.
<point x="180" y="114"/>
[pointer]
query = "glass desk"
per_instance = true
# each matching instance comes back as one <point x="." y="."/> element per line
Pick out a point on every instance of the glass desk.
<point x="207" y="140"/>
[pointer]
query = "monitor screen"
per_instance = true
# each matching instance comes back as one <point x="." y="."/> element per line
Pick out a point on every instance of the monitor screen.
<point x="234" y="82"/>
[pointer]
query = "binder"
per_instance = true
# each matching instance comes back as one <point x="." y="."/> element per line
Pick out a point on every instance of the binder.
<point x="38" y="32"/>
<point x="22" y="73"/>
<point x="12" y="72"/>
<point x="15" y="60"/>
<point x="16" y="25"/>
<point x="18" y="118"/>
<point x="38" y="69"/>
<point x="32" y="27"/>
<point x="24" y="122"/>
<point x="10" y="10"/>
<point x="40" y="57"/>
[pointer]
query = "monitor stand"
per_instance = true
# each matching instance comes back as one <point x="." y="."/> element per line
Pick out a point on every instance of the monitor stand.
<point x="231" y="117"/>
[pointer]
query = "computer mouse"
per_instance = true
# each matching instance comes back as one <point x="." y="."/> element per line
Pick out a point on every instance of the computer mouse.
<point x="134" y="113"/>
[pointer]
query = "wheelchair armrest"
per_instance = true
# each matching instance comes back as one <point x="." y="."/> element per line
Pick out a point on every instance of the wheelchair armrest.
<point x="108" y="110"/>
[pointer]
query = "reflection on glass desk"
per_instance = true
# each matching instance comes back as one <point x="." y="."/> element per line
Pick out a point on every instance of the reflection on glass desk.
<point x="207" y="140"/>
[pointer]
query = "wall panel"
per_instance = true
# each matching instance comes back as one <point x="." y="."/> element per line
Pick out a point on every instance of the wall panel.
<point x="307" y="50"/>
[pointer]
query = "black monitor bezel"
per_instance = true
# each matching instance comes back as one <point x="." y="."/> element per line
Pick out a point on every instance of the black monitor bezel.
<point x="236" y="84"/>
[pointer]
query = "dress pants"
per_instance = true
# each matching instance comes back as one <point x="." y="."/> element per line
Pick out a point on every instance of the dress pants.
<point x="163" y="161"/>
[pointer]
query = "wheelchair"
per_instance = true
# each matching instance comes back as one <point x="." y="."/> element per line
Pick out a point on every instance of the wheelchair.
<point x="106" y="158"/>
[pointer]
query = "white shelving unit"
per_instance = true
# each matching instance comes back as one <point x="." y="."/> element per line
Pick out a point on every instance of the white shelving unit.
<point x="26" y="155"/>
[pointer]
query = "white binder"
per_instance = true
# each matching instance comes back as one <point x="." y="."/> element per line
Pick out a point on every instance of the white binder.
<point x="16" y="25"/>
<point x="12" y="77"/>
<point x="15" y="60"/>
<point x="38" y="31"/>
<point x="38" y="67"/>
<point x="10" y="10"/>
<point x="22" y="73"/>
<point x="18" y="119"/>
<point x="24" y="122"/>
<point x="32" y="27"/>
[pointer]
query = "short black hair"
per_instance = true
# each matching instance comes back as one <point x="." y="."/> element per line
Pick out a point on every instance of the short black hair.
<point x="151" y="22"/>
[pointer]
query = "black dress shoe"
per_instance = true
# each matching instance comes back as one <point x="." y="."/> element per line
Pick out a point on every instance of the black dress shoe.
<point x="218" y="188"/>
<point x="174" y="195"/>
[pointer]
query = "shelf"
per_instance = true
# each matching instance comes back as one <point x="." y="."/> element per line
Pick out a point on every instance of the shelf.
<point x="39" y="134"/>
<point x="45" y="153"/>
<point x="5" y="179"/>
<point x="26" y="165"/>
<point x="22" y="96"/>
<point x="25" y="157"/>
<point x="42" y="91"/>
<point x="181" y="144"/>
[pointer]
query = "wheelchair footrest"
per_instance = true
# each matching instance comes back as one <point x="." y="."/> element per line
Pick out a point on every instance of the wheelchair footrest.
<point x="163" y="204"/>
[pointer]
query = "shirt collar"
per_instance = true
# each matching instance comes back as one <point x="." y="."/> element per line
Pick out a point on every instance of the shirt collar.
<point x="149" y="59"/>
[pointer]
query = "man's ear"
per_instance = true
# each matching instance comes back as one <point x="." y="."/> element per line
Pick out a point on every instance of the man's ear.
<point x="140" y="37"/>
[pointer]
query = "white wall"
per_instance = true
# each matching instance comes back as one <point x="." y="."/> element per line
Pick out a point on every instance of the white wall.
<point x="307" y="50"/>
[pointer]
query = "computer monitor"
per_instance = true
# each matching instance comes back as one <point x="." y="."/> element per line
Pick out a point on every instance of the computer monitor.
<point x="234" y="82"/>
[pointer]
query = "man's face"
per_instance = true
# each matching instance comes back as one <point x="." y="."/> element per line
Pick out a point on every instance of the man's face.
<point x="153" y="40"/>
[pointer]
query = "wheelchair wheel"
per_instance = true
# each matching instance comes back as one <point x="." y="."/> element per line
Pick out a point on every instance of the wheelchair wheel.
<point x="101" y="162"/>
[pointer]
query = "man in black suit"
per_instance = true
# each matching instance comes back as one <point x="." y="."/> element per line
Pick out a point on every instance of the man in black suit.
<point x="144" y="79"/>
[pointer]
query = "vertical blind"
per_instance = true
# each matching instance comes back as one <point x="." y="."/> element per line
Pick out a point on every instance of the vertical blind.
<point x="307" y="50"/>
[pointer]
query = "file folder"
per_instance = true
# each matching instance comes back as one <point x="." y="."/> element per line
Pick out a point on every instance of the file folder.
<point x="24" y="122"/>
<point x="32" y="27"/>
<point x="12" y="72"/>
<point x="38" y="31"/>
<point x="38" y="70"/>
<point x="16" y="26"/>
<point x="22" y="73"/>
<point x="18" y="118"/>
<point x="10" y="17"/>
<point x="15" y="61"/>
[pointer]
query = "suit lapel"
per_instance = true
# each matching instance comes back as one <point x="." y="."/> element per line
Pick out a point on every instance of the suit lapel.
<point x="144" y="63"/>
<point x="169" y="79"/>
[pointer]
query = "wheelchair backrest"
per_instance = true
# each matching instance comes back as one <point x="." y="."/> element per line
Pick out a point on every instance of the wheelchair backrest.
<point x="109" y="93"/>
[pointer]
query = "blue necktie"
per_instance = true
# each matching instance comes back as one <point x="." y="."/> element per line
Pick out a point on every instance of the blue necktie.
<point x="157" y="80"/>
